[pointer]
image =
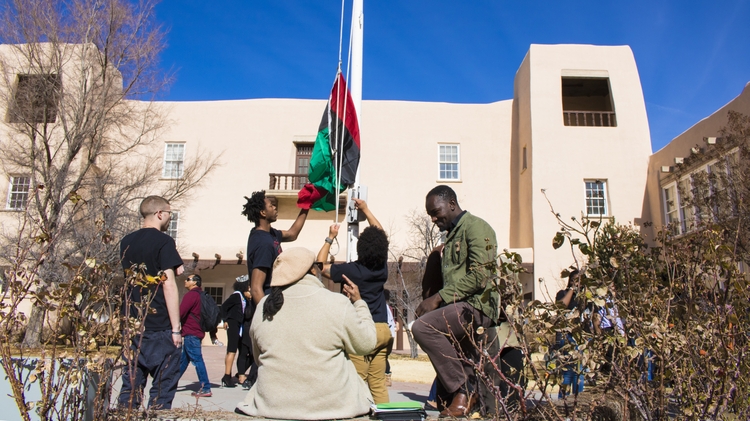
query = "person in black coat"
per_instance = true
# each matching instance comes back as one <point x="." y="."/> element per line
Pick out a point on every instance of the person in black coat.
<point x="233" y="314"/>
<point x="245" y="359"/>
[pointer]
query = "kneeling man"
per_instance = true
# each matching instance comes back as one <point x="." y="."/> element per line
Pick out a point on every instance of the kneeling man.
<point x="467" y="300"/>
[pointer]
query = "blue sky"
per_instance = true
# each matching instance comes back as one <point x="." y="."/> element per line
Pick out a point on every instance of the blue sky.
<point x="693" y="56"/>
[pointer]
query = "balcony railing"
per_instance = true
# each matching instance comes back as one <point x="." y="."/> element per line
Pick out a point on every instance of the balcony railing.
<point x="286" y="181"/>
<point x="292" y="183"/>
<point x="590" y="118"/>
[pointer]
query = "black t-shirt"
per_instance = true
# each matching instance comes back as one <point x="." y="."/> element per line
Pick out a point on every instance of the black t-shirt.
<point x="262" y="249"/>
<point x="158" y="252"/>
<point x="370" y="284"/>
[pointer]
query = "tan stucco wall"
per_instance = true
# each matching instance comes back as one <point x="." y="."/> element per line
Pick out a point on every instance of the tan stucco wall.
<point x="563" y="156"/>
<point x="399" y="164"/>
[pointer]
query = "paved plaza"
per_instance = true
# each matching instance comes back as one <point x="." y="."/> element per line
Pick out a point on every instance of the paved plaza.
<point x="221" y="405"/>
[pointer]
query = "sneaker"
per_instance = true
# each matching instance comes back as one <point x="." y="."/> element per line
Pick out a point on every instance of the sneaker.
<point x="218" y="342"/>
<point x="388" y="381"/>
<point x="205" y="394"/>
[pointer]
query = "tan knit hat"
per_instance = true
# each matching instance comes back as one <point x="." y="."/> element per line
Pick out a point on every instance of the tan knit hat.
<point x="291" y="265"/>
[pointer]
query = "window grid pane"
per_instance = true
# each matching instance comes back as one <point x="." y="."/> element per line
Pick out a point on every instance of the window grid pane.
<point x="174" y="156"/>
<point x="687" y="212"/>
<point x="217" y="293"/>
<point x="596" y="198"/>
<point x="448" y="163"/>
<point x="172" y="229"/>
<point x="670" y="205"/>
<point x="18" y="193"/>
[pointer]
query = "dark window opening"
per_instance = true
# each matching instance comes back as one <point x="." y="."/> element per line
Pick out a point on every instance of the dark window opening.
<point x="36" y="99"/>
<point x="587" y="102"/>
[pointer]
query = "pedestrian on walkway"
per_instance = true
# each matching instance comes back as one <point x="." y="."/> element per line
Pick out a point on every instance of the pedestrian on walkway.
<point x="192" y="335"/>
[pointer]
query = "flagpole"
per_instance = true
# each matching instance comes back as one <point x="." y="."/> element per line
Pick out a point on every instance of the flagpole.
<point x="355" y="89"/>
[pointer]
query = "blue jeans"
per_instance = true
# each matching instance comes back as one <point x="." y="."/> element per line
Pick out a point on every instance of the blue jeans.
<point x="572" y="375"/>
<point x="191" y="351"/>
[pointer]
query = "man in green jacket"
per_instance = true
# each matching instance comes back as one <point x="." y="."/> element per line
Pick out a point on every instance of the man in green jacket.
<point x="468" y="299"/>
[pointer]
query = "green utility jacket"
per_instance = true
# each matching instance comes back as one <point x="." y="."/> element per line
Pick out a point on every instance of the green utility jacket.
<point x="470" y="245"/>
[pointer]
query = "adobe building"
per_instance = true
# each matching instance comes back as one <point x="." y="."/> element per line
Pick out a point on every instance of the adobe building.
<point x="575" y="135"/>
<point x="666" y="188"/>
<point x="571" y="103"/>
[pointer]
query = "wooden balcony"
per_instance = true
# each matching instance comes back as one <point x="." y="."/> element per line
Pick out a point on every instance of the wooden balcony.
<point x="286" y="186"/>
<point x="589" y="118"/>
<point x="286" y="181"/>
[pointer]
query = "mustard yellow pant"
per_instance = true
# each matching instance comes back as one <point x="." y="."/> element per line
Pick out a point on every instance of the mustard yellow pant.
<point x="371" y="367"/>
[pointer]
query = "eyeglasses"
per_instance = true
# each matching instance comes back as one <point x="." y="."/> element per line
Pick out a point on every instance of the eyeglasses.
<point x="167" y="211"/>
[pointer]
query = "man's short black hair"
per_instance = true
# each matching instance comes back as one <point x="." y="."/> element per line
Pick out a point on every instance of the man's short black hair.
<point x="197" y="279"/>
<point x="444" y="192"/>
<point x="255" y="204"/>
<point x="372" y="248"/>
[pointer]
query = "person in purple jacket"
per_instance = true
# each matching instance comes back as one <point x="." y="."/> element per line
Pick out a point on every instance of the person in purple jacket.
<point x="192" y="335"/>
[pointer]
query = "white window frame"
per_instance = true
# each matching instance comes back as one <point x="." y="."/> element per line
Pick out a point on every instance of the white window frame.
<point x="687" y="213"/>
<point x="170" y="161"/>
<point x="174" y="223"/>
<point x="605" y="197"/>
<point x="443" y="161"/>
<point x="671" y="212"/>
<point x="13" y="190"/>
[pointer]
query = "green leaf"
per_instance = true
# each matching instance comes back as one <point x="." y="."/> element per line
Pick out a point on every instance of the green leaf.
<point x="558" y="241"/>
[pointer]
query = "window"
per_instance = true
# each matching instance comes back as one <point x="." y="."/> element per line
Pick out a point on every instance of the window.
<point x="596" y="198"/>
<point x="302" y="161"/>
<point x="215" y="292"/>
<point x="36" y="99"/>
<point x="524" y="163"/>
<point x="18" y="192"/>
<point x="448" y="162"/>
<point x="587" y="101"/>
<point x="172" y="228"/>
<point x="174" y="157"/>
<point x="687" y="211"/>
<point x="671" y="208"/>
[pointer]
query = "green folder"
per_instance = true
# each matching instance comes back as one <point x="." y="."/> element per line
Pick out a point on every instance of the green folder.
<point x="400" y="405"/>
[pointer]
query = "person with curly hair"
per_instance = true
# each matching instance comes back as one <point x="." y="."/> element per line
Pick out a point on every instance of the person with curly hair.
<point x="264" y="241"/>
<point x="369" y="273"/>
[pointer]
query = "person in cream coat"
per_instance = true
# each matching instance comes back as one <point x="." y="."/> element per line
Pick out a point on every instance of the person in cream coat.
<point x="302" y="334"/>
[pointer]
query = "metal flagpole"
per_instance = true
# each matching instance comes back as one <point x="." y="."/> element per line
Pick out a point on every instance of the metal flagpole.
<point x="355" y="88"/>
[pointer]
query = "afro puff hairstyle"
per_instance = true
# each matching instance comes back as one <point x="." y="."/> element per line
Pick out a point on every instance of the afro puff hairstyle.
<point x="372" y="248"/>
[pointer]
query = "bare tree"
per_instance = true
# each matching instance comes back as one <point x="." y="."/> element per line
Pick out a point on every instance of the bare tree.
<point x="77" y="80"/>
<point x="409" y="271"/>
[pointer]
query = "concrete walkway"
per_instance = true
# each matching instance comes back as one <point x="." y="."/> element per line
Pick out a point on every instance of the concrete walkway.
<point x="222" y="403"/>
